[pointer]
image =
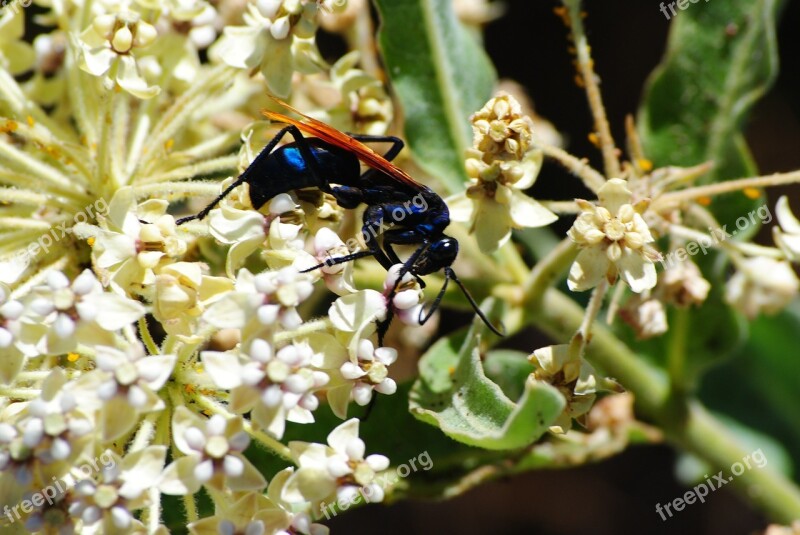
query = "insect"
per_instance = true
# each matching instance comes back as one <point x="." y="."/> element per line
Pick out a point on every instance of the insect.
<point x="331" y="161"/>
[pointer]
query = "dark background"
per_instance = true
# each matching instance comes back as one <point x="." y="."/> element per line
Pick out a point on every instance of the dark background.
<point x="619" y="495"/>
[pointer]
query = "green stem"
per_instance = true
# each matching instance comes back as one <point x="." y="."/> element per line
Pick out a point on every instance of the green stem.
<point x="147" y="338"/>
<point x="691" y="427"/>
<point x="676" y="347"/>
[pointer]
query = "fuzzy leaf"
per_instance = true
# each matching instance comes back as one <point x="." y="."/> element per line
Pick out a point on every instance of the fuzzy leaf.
<point x="454" y="394"/>
<point x="721" y="59"/>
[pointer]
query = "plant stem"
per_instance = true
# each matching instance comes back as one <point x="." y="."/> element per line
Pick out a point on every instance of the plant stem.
<point x="689" y="425"/>
<point x="728" y="186"/>
<point x="586" y="71"/>
<point x="577" y="166"/>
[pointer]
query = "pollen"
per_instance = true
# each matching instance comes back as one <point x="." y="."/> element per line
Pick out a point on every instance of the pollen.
<point x="30" y="120"/>
<point x="752" y="193"/>
<point x="8" y="126"/>
<point x="168" y="144"/>
<point x="593" y="139"/>
<point x="704" y="201"/>
<point x="645" y="164"/>
<point x="91" y="241"/>
<point x="73" y="357"/>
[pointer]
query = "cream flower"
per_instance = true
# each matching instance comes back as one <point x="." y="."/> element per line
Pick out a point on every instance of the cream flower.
<point x="683" y="284"/>
<point x="277" y="39"/>
<point x="80" y="312"/>
<point x="213" y="456"/>
<point x="109" y="46"/>
<point x="182" y="293"/>
<point x="762" y="285"/>
<point x="364" y="106"/>
<point x="105" y="503"/>
<point x="132" y="241"/>
<point x="646" y="316"/>
<point x="369" y="372"/>
<point x="502" y="163"/>
<point x="42" y="438"/>
<point x="573" y="376"/>
<point x="127" y="383"/>
<point x="18" y="339"/>
<point x="787" y="236"/>
<point x="340" y="468"/>
<point x="274" y="386"/>
<point x="16" y="56"/>
<point x="255" y="513"/>
<point x="614" y="240"/>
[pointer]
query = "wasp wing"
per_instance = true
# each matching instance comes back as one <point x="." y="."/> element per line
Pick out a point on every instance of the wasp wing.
<point x="340" y="139"/>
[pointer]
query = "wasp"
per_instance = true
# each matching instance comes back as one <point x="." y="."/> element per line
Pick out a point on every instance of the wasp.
<point x="331" y="161"/>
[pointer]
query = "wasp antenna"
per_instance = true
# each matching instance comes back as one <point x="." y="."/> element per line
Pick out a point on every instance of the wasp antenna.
<point x="450" y="274"/>
<point x="423" y="318"/>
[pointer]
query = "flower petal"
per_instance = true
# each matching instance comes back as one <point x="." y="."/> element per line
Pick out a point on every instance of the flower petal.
<point x="638" y="272"/>
<point x="589" y="268"/>
<point x="526" y="212"/>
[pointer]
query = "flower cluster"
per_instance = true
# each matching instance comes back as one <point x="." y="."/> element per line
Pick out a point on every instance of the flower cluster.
<point x="142" y="359"/>
<point x="106" y="326"/>
<point x="503" y="162"/>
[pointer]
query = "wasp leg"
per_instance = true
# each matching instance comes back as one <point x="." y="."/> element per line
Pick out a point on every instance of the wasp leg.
<point x="255" y="169"/>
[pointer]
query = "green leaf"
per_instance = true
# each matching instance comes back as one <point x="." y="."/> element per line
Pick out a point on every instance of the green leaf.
<point x="453" y="394"/>
<point x="765" y="378"/>
<point x="721" y="58"/>
<point x="441" y="76"/>
<point x="509" y="370"/>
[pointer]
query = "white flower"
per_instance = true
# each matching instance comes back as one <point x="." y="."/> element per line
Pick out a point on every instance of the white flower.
<point x="369" y="372"/>
<point x="109" y="45"/>
<point x="787" y="236"/>
<point x="78" y="313"/>
<point x="572" y="375"/>
<point x="213" y="455"/>
<point x="278" y="39"/>
<point x="340" y="468"/>
<point x="118" y="489"/>
<point x="502" y="163"/>
<point x="182" y="294"/>
<point x="132" y="241"/>
<point x="16" y="56"/>
<point x="327" y="247"/>
<point x="762" y="285"/>
<point x="44" y="437"/>
<point x="127" y="383"/>
<point x="614" y="240"/>
<point x="647" y="317"/>
<point x="268" y="299"/>
<point x="275" y="387"/>
<point x="683" y="284"/>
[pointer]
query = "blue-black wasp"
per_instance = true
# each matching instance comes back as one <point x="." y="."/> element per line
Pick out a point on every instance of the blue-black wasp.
<point x="331" y="161"/>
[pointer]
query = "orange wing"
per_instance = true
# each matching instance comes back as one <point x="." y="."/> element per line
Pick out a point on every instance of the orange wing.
<point x="340" y="139"/>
